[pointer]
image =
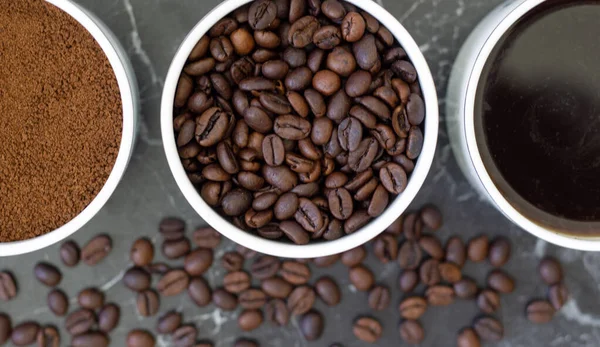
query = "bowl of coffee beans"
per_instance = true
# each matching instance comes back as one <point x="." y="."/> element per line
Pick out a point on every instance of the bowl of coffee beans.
<point x="68" y="108"/>
<point x="299" y="128"/>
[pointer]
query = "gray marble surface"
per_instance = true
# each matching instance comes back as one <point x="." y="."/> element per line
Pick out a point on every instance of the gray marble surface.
<point x="151" y="31"/>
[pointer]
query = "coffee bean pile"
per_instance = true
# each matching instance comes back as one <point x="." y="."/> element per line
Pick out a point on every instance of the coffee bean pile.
<point x="543" y="310"/>
<point x="268" y="290"/>
<point x="299" y="120"/>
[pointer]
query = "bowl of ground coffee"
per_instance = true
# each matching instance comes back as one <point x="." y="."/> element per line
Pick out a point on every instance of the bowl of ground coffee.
<point x="299" y="128"/>
<point x="68" y="108"/>
<point x="524" y="117"/>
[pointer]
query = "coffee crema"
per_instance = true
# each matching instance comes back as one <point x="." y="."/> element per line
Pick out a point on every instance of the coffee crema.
<point x="539" y="97"/>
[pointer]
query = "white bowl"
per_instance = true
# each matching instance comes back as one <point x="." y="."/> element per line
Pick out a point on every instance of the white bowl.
<point x="129" y="95"/>
<point x="475" y="160"/>
<point x="317" y="249"/>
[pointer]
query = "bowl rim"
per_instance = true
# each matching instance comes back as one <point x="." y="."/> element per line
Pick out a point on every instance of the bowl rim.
<point x="127" y="89"/>
<point x="311" y="250"/>
<point x="537" y="228"/>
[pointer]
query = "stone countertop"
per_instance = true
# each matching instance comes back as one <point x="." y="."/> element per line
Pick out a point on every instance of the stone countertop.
<point x="151" y="31"/>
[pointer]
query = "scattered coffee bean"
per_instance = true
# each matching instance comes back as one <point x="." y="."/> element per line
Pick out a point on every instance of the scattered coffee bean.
<point x="276" y="287"/>
<point x="142" y="252"/>
<point x="80" y="321"/>
<point x="540" y="311"/>
<point x="385" y="248"/>
<point x="429" y="272"/>
<point x="489" y="329"/>
<point x="69" y="253"/>
<point x="173" y="283"/>
<point x="456" y="251"/>
<point x="431" y="217"/>
<point x="412" y="332"/>
<point x="558" y="295"/>
<point x="25" y="333"/>
<point x="328" y="291"/>
<point x="362" y="278"/>
<point x="432" y="246"/>
<point x="58" y="302"/>
<point x="140" y="338"/>
<point x="367" y="329"/>
<point x="410" y="255"/>
<point x="232" y="261"/>
<point x="326" y="261"/>
<point x="236" y="282"/>
<point x="96" y="250"/>
<point x="408" y="281"/>
<point x="206" y="237"/>
<point x="199" y="291"/>
<point x="354" y="257"/>
<point x="137" y="279"/>
<point x="312" y="325"/>
<point x="185" y="335"/>
<point x="276" y="311"/>
<point x="439" y="295"/>
<point x="501" y="282"/>
<point x="379" y="298"/>
<point x="295" y="273"/>
<point x="450" y="272"/>
<point x="264" y="267"/>
<point x="467" y="338"/>
<point x="550" y="271"/>
<point x="198" y="261"/>
<point x="175" y="249"/>
<point x="412" y="307"/>
<point x="249" y="320"/>
<point x="488" y="301"/>
<point x="5" y="328"/>
<point x="94" y="338"/>
<point x="171" y="228"/>
<point x="252" y="299"/>
<point x="477" y="249"/>
<point x="147" y="303"/>
<point x="91" y="298"/>
<point x="466" y="288"/>
<point x="169" y="322"/>
<point x="48" y="336"/>
<point x="108" y="318"/>
<point x="47" y="274"/>
<point x="499" y="251"/>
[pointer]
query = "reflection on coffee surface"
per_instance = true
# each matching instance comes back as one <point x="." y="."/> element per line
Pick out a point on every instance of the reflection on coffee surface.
<point x="540" y="100"/>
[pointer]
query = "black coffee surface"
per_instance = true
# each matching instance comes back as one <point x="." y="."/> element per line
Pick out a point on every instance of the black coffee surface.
<point x="540" y="100"/>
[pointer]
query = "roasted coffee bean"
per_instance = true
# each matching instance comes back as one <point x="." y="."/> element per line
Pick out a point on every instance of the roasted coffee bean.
<point x="466" y="288"/>
<point x="265" y="267"/>
<point x="174" y="249"/>
<point x="147" y="303"/>
<point x="409" y="255"/>
<point x="302" y="31"/>
<point x="198" y="261"/>
<point x="385" y="248"/>
<point x="249" y="320"/>
<point x="308" y="215"/>
<point x="92" y="338"/>
<point x="393" y="177"/>
<point x="412" y="226"/>
<point x="137" y="279"/>
<point x="242" y="41"/>
<point x="25" y="333"/>
<point x="408" y="281"/>
<point x="270" y="231"/>
<point x="157" y="268"/>
<point x="327" y="37"/>
<point x="80" y="321"/>
<point x="499" y="251"/>
<point x="558" y="295"/>
<point x="273" y="150"/>
<point x="550" y="271"/>
<point x="429" y="272"/>
<point x="353" y="27"/>
<point x="236" y="202"/>
<point x="379" y="298"/>
<point x="224" y="26"/>
<point x="415" y="109"/>
<point x="108" y="317"/>
<point x="367" y="329"/>
<point x="47" y="274"/>
<point x="294" y="272"/>
<point x="354" y="257"/>
<point x="224" y="300"/>
<point x="277" y="312"/>
<point x="5" y="328"/>
<point x="439" y="295"/>
<point x="412" y="307"/>
<point x="488" y="301"/>
<point x="140" y="338"/>
<point x="321" y="131"/>
<point x="414" y="144"/>
<point x="185" y="85"/>
<point x="142" y="252"/>
<point x="173" y="283"/>
<point x="312" y="325"/>
<point x="358" y="85"/>
<point x="90" y="298"/>
<point x="350" y="134"/>
<point x="252" y="299"/>
<point x="365" y="52"/>
<point x="206" y="238"/>
<point x="467" y="338"/>
<point x="432" y="246"/>
<point x="456" y="251"/>
<point x="236" y="282"/>
<point x="295" y="232"/>
<point x="412" y="332"/>
<point x="360" y="159"/>
<point x="301" y="300"/>
<point x="211" y="127"/>
<point x="358" y="219"/>
<point x="342" y="62"/>
<point x="431" y="217"/>
<point x="172" y="228"/>
<point x="185" y="335"/>
<point x="169" y="322"/>
<point x="276" y="287"/>
<point x="334" y="10"/>
<point x="69" y="253"/>
<point x="96" y="250"/>
<point x="489" y="329"/>
<point x="328" y="291"/>
<point x="261" y="14"/>
<point x="361" y="277"/>
<point x="232" y="261"/>
<point x="341" y="203"/>
<point x="326" y="261"/>
<point x="540" y="311"/>
<point x="477" y="250"/>
<point x="58" y="302"/>
<point x="501" y="282"/>
<point x="199" y="291"/>
<point x="48" y="336"/>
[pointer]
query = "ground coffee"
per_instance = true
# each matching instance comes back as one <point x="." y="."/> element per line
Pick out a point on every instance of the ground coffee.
<point x="60" y="118"/>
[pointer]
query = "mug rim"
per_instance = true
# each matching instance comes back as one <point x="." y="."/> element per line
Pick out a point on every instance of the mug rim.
<point x="128" y="93"/>
<point x="284" y="249"/>
<point x="537" y="228"/>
